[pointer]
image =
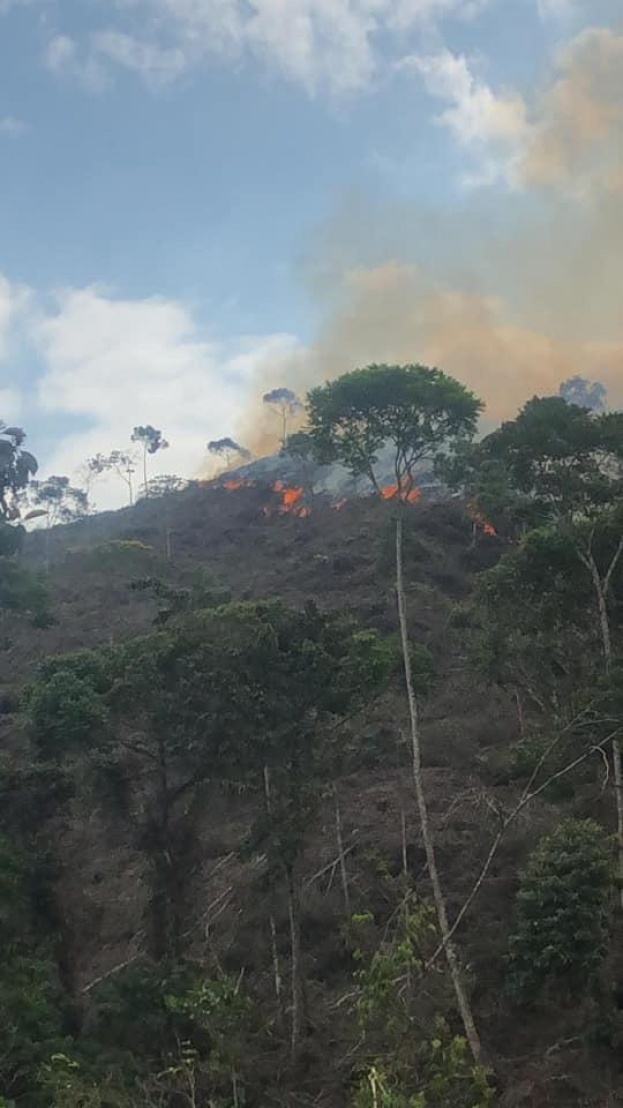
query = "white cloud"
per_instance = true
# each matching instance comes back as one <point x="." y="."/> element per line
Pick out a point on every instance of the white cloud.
<point x="156" y="64"/>
<point x="556" y="9"/>
<point x="493" y="125"/>
<point x="60" y="52"/>
<point x="7" y="5"/>
<point x="569" y="136"/>
<point x="13" y="300"/>
<point x="10" y="405"/>
<point x="65" y="57"/>
<point x="332" y="45"/>
<point x="11" y="125"/>
<point x="125" y="362"/>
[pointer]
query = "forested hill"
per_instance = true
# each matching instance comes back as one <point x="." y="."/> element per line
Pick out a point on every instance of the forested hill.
<point x="216" y="884"/>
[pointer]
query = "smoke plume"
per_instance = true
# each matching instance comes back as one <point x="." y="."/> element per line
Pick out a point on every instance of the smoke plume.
<point x="511" y="293"/>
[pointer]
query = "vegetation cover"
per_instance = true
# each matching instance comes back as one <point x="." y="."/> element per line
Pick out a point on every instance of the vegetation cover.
<point x="319" y="805"/>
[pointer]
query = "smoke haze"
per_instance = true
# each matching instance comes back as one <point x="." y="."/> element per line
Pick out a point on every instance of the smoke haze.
<point x="510" y="294"/>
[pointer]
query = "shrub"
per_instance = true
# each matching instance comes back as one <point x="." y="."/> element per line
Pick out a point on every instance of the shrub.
<point x="562" y="911"/>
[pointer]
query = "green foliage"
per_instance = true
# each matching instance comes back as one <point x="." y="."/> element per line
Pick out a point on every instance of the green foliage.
<point x="65" y="706"/>
<point x="65" y="1085"/>
<point x="203" y="592"/>
<point x="228" y="448"/>
<point x="405" y="1068"/>
<point x="168" y="1031"/>
<point x="11" y="538"/>
<point x="21" y="590"/>
<point x="422" y="665"/>
<point x="562" y="911"/>
<point x="60" y="501"/>
<point x="531" y="622"/>
<point x="30" y="1001"/>
<point x="17" y="467"/>
<point x="564" y="461"/>
<point x="421" y="412"/>
<point x="150" y="438"/>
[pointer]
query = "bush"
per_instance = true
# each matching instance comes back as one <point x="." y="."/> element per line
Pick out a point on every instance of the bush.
<point x="31" y="1012"/>
<point x="562" y="911"/>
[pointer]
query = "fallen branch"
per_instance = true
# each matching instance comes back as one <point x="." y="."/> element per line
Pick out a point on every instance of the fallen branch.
<point x="525" y="799"/>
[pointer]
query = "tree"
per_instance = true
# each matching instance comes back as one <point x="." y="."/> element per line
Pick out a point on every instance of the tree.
<point x="565" y="467"/>
<point x="229" y="449"/>
<point x="120" y="462"/>
<point x="31" y="1012"/>
<point x="163" y="489"/>
<point x="221" y="692"/>
<point x="411" y="1058"/>
<point x="61" y="503"/>
<point x="20" y="589"/>
<point x="17" y="467"/>
<point x="584" y="393"/>
<point x="423" y="414"/>
<point x="286" y="403"/>
<point x="151" y="441"/>
<point x="531" y="629"/>
<point x="562" y="911"/>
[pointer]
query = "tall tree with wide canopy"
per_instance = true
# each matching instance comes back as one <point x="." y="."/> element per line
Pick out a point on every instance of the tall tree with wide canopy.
<point x="60" y="502"/>
<point x="286" y="404"/>
<point x="423" y="415"/>
<point x="152" y="441"/>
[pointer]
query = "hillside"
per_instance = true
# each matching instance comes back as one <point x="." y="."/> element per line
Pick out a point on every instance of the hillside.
<point x="95" y="870"/>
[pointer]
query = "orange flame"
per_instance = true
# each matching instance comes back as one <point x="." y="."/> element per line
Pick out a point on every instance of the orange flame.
<point x="339" y="504"/>
<point x="389" y="492"/>
<point x="482" y="522"/>
<point x="233" y="483"/>
<point x="290" y="497"/>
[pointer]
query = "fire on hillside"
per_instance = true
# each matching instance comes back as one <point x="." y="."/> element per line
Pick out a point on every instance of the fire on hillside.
<point x="290" y="499"/>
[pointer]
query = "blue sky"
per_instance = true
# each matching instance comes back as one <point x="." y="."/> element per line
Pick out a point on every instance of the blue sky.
<point x="203" y="198"/>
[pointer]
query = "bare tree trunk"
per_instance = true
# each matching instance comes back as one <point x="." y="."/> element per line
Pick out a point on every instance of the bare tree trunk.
<point x="276" y="967"/>
<point x="463" y="1004"/>
<point x="520" y="715"/>
<point x="295" y="946"/>
<point x="340" y="850"/>
<point x="167" y="529"/>
<point x="163" y="907"/>
<point x="601" y="587"/>
<point x="273" y="929"/>
<point x="403" y="829"/>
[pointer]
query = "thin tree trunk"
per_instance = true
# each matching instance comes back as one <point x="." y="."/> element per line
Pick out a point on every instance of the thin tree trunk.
<point x="463" y="1004"/>
<point x="295" y="946"/>
<point x="601" y="592"/>
<point x="145" y="470"/>
<point x="271" y="920"/>
<point x="340" y="849"/>
<point x="165" y="908"/>
<point x="276" y="967"/>
<point x="403" y="830"/>
<point x="520" y="715"/>
<point x="167" y="528"/>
